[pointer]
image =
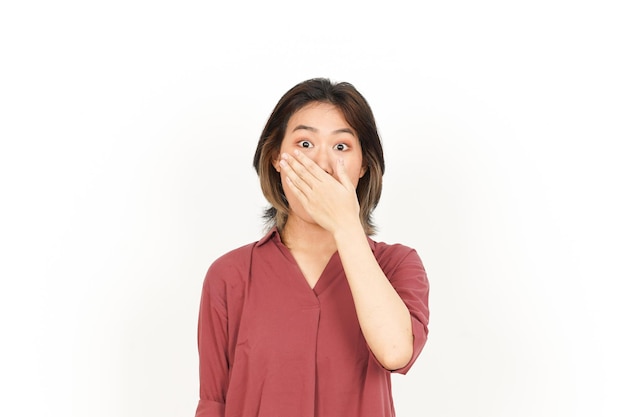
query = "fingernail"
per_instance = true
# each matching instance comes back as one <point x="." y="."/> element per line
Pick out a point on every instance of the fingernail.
<point x="296" y="152"/>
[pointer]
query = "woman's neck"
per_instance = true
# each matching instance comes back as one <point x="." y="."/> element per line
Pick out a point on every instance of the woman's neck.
<point x="299" y="235"/>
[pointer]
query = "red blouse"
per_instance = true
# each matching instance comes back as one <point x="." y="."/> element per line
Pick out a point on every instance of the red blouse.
<point x="270" y="346"/>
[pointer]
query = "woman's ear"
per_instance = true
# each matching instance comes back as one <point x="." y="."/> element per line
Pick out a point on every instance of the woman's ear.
<point x="363" y="171"/>
<point x="276" y="163"/>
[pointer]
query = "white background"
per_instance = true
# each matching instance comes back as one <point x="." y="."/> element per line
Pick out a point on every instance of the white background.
<point x="128" y="130"/>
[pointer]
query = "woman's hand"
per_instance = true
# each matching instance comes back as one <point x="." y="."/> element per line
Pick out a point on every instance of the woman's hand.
<point x="331" y="202"/>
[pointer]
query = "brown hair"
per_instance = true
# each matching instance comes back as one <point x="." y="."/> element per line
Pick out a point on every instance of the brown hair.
<point x="359" y="116"/>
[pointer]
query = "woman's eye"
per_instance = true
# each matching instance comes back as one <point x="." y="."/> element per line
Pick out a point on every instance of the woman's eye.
<point x="305" y="144"/>
<point x="341" y="147"/>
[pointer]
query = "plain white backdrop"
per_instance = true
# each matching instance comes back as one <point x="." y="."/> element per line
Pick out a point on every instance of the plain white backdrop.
<point x="128" y="130"/>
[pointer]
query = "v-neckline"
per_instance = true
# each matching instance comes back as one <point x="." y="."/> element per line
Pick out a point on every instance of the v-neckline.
<point x="320" y="284"/>
<point x="322" y="281"/>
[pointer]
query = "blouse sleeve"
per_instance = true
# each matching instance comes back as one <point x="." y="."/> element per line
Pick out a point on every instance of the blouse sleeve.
<point x="213" y="345"/>
<point x="410" y="282"/>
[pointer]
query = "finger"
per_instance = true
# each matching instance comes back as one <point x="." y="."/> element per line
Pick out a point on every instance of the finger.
<point x="294" y="178"/>
<point x="311" y="167"/>
<point x="297" y="191"/>
<point x="343" y="175"/>
<point x="304" y="168"/>
<point x="293" y="165"/>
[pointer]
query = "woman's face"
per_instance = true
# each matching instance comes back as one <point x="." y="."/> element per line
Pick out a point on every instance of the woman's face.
<point x="321" y="132"/>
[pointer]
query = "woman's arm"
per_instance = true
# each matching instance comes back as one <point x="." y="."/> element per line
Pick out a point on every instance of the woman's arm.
<point x="383" y="316"/>
<point x="212" y="345"/>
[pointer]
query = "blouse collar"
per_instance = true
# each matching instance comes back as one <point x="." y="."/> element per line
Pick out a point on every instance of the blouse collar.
<point x="273" y="234"/>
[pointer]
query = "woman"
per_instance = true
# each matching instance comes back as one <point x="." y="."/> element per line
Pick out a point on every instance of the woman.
<point x="311" y="320"/>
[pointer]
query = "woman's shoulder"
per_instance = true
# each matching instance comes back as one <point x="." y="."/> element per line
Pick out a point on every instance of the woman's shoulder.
<point x="385" y="249"/>
<point x="234" y="258"/>
<point x="390" y="255"/>
<point x="236" y="262"/>
<point x="401" y="264"/>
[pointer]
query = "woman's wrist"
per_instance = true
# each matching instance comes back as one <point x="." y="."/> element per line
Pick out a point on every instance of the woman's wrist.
<point x="349" y="233"/>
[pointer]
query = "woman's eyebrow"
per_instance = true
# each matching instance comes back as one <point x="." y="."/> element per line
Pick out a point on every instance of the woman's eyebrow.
<point x="304" y="127"/>
<point x="315" y="130"/>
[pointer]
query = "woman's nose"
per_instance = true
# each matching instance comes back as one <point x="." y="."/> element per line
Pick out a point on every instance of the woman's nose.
<point x="324" y="159"/>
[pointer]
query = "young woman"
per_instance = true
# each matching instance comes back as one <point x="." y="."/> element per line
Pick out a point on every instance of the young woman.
<point x="311" y="320"/>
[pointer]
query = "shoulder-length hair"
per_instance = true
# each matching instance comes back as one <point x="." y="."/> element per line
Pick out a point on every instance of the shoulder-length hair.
<point x="359" y="116"/>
